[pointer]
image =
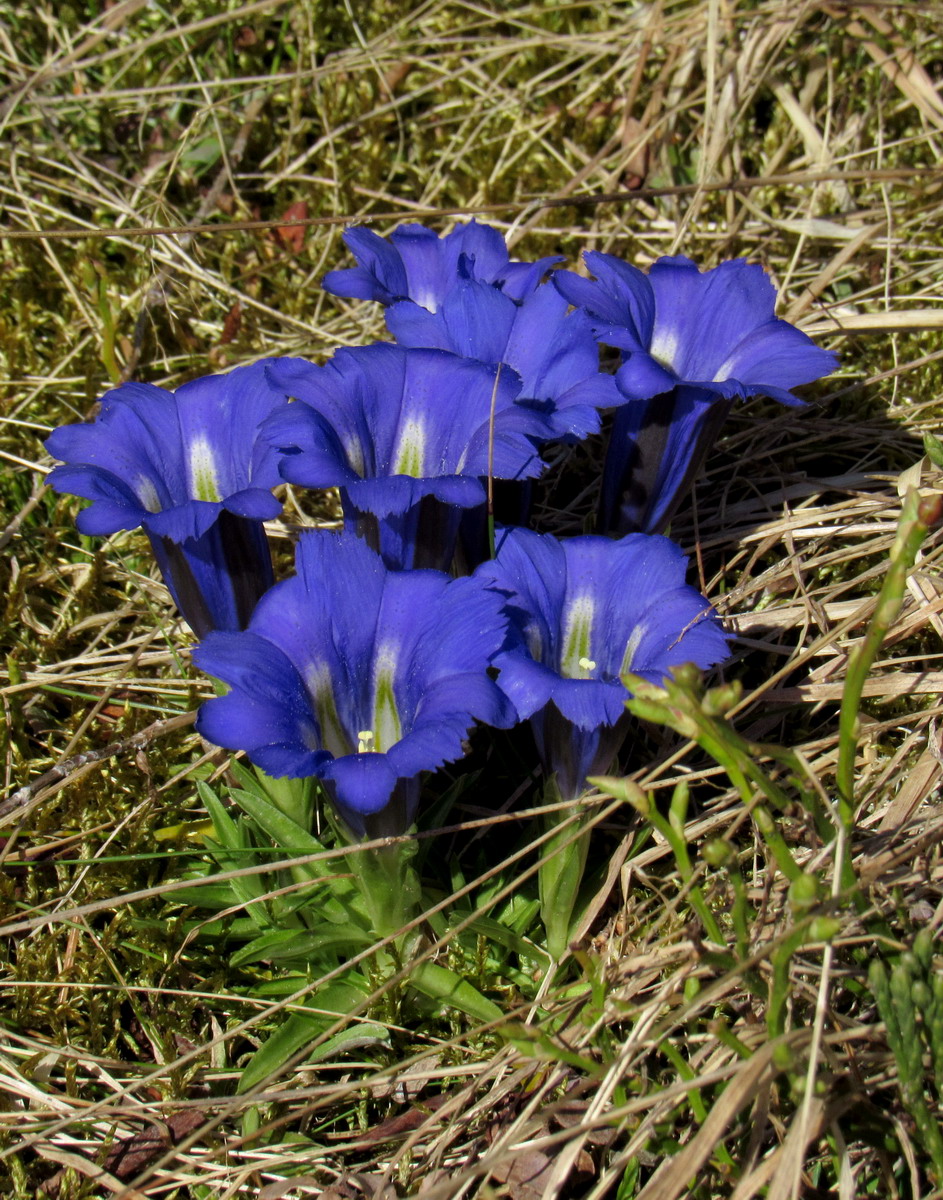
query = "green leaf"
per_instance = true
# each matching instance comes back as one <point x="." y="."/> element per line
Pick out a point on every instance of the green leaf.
<point x="294" y="841"/>
<point x="298" y="1030"/>
<point x="227" y="832"/>
<point x="234" y="851"/>
<point x="204" y="154"/>
<point x="518" y="914"/>
<point x="211" y="895"/>
<point x="233" y="929"/>
<point x="284" y="832"/>
<point x="354" y="1037"/>
<point x="448" y="988"/>
<point x="280" y="986"/>
<point x="535" y="1042"/>
<point x="496" y="932"/>
<point x="295" y="944"/>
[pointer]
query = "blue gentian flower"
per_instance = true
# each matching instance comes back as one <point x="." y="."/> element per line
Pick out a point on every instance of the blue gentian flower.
<point x="361" y="676"/>
<point x="461" y="293"/>
<point x="405" y="436"/>
<point x="187" y="467"/>
<point x="584" y="612"/>
<point x="554" y="353"/>
<point x="416" y="264"/>
<point x="711" y="335"/>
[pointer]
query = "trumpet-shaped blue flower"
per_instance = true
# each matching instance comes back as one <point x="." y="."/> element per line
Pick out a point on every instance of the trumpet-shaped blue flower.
<point x="677" y="325"/>
<point x="554" y="353"/>
<point x="462" y="293"/>
<point x="405" y="436"/>
<point x="712" y="336"/>
<point x="188" y="467"/>
<point x="416" y="264"/>
<point x="583" y="613"/>
<point x="361" y="676"/>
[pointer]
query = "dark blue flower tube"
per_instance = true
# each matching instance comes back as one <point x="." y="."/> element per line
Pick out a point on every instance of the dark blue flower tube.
<point x="361" y="676"/>
<point x="691" y="341"/>
<point x="583" y="613"/>
<point x="188" y="467"/>
<point x="406" y="435"/>
<point x="656" y="449"/>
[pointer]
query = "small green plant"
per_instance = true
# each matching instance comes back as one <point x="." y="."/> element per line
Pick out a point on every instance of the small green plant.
<point x="909" y="996"/>
<point x="345" y="923"/>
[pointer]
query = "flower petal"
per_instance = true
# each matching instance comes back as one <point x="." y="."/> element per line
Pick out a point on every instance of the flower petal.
<point x="611" y="604"/>
<point x="391" y="424"/>
<point x="114" y="507"/>
<point x="701" y="317"/>
<point x="474" y="320"/>
<point x="363" y="782"/>
<point x="641" y="378"/>
<point x="253" y="503"/>
<point x="379" y="275"/>
<point x="777" y="353"/>
<point x="519" y="279"/>
<point x="620" y="296"/>
<point x="267" y="713"/>
<point x="415" y="264"/>
<point x="348" y="655"/>
<point x="312" y="453"/>
<point x="183" y="521"/>
<point x="191" y="469"/>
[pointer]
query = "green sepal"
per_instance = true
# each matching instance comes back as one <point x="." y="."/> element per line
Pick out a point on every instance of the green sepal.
<point x="388" y="884"/>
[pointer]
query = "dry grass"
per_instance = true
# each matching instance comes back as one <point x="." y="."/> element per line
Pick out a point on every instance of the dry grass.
<point x="164" y="148"/>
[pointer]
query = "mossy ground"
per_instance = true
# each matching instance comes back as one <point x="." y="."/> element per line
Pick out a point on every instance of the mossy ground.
<point x="805" y="137"/>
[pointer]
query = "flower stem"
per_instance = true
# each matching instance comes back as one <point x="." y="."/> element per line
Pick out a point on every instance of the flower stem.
<point x="915" y="521"/>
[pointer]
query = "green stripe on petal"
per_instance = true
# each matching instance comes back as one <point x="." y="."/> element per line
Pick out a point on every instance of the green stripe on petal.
<point x="664" y="346"/>
<point x="147" y="493"/>
<point x="577" y="638"/>
<point x="535" y="645"/>
<point x="333" y="735"/>
<point x="204" y="480"/>
<point x="354" y="451"/>
<point x="631" y="646"/>
<point x="410" y="454"/>
<point x="387" y="727"/>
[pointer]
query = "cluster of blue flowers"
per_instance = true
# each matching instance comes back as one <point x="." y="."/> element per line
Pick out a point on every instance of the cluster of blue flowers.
<point x="371" y="664"/>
